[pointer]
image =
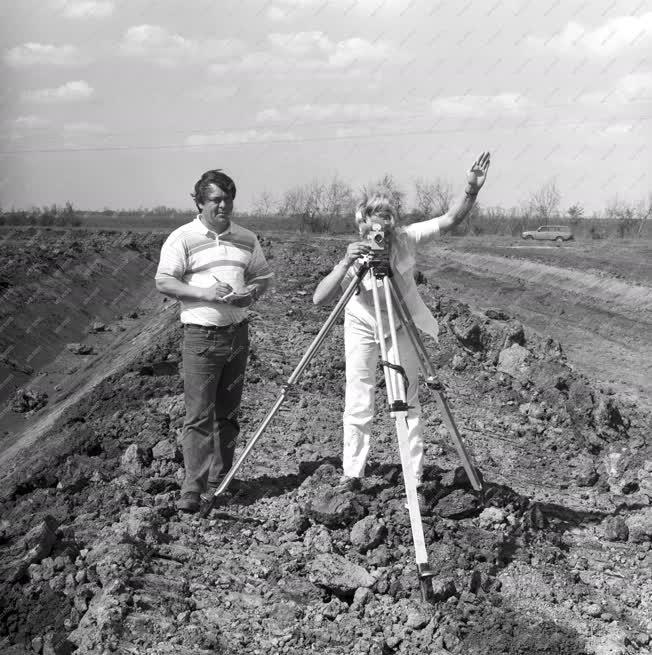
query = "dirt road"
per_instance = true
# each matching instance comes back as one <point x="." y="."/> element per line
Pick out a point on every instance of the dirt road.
<point x="596" y="301"/>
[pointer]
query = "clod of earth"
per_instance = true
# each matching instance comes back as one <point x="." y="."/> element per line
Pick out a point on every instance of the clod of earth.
<point x="80" y="348"/>
<point x="367" y="533"/>
<point x="338" y="574"/>
<point x="28" y="400"/>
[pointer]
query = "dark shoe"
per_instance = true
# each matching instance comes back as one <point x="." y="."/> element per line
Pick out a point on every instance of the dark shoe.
<point x="348" y="483"/>
<point x="189" y="502"/>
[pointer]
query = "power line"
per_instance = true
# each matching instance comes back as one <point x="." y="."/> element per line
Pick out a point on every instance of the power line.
<point x="334" y="137"/>
<point x="288" y="124"/>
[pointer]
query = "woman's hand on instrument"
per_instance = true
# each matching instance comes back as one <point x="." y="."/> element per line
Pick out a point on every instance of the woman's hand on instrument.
<point x="355" y="251"/>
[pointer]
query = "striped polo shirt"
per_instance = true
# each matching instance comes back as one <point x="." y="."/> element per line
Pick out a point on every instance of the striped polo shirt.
<point x="197" y="255"/>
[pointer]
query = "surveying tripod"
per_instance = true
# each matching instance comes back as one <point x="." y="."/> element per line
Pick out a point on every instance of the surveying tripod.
<point x="396" y="386"/>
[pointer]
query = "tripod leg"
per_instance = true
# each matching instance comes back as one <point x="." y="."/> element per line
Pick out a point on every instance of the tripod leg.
<point x="424" y="572"/>
<point x="399" y="410"/>
<point x="389" y="378"/>
<point x="399" y="385"/>
<point x="305" y="360"/>
<point x="431" y="379"/>
<point x="410" y="482"/>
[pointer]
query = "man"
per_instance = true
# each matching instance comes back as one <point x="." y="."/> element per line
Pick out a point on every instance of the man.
<point x="360" y="331"/>
<point x="216" y="269"/>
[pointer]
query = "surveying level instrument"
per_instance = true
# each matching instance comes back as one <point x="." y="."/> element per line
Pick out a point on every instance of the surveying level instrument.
<point x="376" y="265"/>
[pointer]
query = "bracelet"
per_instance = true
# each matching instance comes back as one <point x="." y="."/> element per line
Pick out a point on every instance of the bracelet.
<point x="471" y="195"/>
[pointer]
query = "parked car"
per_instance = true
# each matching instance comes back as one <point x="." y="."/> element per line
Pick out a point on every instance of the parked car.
<point x="550" y="233"/>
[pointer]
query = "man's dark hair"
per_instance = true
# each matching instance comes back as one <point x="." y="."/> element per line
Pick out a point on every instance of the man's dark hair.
<point x="222" y="180"/>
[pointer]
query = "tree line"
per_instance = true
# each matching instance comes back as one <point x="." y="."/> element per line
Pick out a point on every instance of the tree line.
<point x="329" y="206"/>
<point x="48" y="215"/>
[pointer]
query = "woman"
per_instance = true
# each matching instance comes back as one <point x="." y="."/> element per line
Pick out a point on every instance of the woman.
<point x="360" y="334"/>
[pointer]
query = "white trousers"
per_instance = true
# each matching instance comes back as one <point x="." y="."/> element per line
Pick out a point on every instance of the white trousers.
<point x="361" y="350"/>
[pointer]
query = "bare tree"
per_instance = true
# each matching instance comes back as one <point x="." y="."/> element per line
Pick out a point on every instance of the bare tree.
<point x="626" y="214"/>
<point x="338" y="202"/>
<point x="318" y="206"/>
<point x="644" y="208"/>
<point x="644" y="212"/>
<point x="575" y="212"/>
<point x="432" y="198"/>
<point x="544" y="203"/>
<point x="620" y="209"/>
<point x="388" y="183"/>
<point x="306" y="203"/>
<point x="264" y="204"/>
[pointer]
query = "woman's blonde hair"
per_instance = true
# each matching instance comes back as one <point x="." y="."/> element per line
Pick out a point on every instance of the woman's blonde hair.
<point x="378" y="202"/>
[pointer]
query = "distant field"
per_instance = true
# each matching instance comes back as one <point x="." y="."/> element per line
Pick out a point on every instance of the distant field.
<point x="629" y="259"/>
<point x="586" y="229"/>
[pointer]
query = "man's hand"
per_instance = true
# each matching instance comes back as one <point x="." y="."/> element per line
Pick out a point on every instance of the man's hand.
<point x="478" y="174"/>
<point x="217" y="291"/>
<point x="356" y="250"/>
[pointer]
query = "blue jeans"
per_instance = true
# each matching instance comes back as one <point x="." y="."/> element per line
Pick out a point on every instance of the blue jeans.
<point x="214" y="364"/>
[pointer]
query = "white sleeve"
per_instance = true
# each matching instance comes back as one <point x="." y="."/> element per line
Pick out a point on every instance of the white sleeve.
<point x="257" y="268"/>
<point x="423" y="231"/>
<point x="172" y="262"/>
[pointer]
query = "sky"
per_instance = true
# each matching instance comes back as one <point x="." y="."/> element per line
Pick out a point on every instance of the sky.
<point x="124" y="103"/>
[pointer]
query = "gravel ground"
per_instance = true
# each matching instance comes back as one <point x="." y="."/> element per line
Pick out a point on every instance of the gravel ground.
<point x="553" y="557"/>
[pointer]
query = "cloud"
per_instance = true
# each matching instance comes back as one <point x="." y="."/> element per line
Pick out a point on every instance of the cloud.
<point x="352" y="50"/>
<point x="168" y="49"/>
<point x="617" y="130"/>
<point x="327" y="112"/>
<point x="84" y="128"/>
<point x="337" y="54"/>
<point x="30" y="122"/>
<point x="313" y="53"/>
<point x="68" y="92"/>
<point x="621" y="34"/>
<point x="294" y="4"/>
<point x="358" y="131"/>
<point x="510" y="104"/>
<point x="629" y="88"/>
<point x="80" y="9"/>
<point x="284" y="9"/>
<point x="213" y="93"/>
<point x="240" y="136"/>
<point x="32" y="54"/>
<point x="277" y="13"/>
<point x="301" y="44"/>
<point x="635" y="86"/>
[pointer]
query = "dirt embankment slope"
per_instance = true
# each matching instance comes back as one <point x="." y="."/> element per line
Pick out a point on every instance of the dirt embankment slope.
<point x="55" y="284"/>
<point x="60" y="288"/>
<point x="550" y="559"/>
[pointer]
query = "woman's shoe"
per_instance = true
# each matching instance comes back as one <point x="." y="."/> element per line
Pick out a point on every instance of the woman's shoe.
<point x="189" y="502"/>
<point x="348" y="483"/>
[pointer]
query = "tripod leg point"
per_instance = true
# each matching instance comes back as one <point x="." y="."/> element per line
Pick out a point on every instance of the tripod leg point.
<point x="426" y="575"/>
